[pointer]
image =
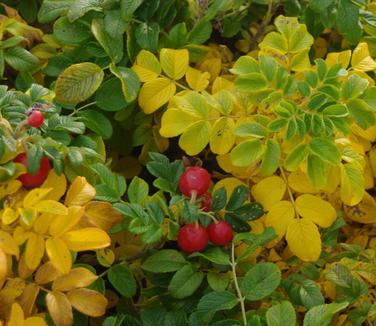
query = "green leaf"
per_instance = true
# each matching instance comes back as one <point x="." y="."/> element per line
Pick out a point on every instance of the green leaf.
<point x="251" y="129"/>
<point x="78" y="82"/>
<point x="21" y="59"/>
<point x="11" y="42"/>
<point x="218" y="281"/>
<point x="282" y="314"/>
<point x="34" y="156"/>
<point x="69" y="33"/>
<point x="246" y="153"/>
<point x="113" y="24"/>
<point x="164" y="261"/>
<point x="237" y="222"/>
<point x="348" y="21"/>
<point x="251" y="82"/>
<point x="360" y="111"/>
<point x="128" y="7"/>
<point x="316" y="171"/>
<point x="353" y="87"/>
<point x="81" y="7"/>
<point x="310" y="294"/>
<point x="271" y="158"/>
<point x="185" y="282"/>
<point x="250" y="211"/>
<point x="52" y="9"/>
<point x="296" y="157"/>
<point x="96" y="122"/>
<point x="268" y="67"/>
<point x="212" y="302"/>
<point x="219" y="199"/>
<point x="260" y="281"/>
<point x="200" y="32"/>
<point x="323" y="314"/>
<point x="245" y="65"/>
<point x="147" y="36"/>
<point x="122" y="279"/>
<point x="326" y="150"/>
<point x="213" y="254"/>
<point x="336" y="110"/>
<point x="238" y="197"/>
<point x="130" y="84"/>
<point x="109" y="96"/>
<point x="112" y="46"/>
<point x="138" y="190"/>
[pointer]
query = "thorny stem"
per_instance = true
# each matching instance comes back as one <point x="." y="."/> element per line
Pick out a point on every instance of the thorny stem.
<point x="289" y="191"/>
<point x="239" y="293"/>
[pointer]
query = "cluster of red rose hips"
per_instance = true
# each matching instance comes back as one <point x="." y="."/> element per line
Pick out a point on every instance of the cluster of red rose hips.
<point x="195" y="182"/>
<point x="28" y="180"/>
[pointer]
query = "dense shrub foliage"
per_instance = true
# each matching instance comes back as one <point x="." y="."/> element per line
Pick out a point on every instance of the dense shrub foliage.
<point x="181" y="162"/>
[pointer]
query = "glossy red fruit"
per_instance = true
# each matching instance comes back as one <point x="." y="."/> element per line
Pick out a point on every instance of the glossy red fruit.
<point x="193" y="238"/>
<point x="220" y="233"/>
<point x="206" y="202"/>
<point x="36" y="119"/>
<point x="33" y="180"/>
<point x="194" y="179"/>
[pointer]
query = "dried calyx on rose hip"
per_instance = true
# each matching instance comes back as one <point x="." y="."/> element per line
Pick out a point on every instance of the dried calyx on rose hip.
<point x="193" y="238"/>
<point x="35" y="119"/>
<point x="194" y="179"/>
<point x="29" y="180"/>
<point x="220" y="233"/>
<point x="206" y="202"/>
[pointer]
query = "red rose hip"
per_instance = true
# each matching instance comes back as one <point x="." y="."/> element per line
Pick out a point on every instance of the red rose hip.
<point x="193" y="238"/>
<point x="35" y="119"/>
<point x="194" y="179"/>
<point x="33" y="180"/>
<point x="206" y="202"/>
<point x="220" y="233"/>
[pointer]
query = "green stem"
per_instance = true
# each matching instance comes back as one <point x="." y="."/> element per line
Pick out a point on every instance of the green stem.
<point x="82" y="107"/>
<point x="239" y="293"/>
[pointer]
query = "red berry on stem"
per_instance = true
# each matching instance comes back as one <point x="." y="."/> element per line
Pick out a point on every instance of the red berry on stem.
<point x="36" y="119"/>
<point x="206" y="202"/>
<point x="220" y="233"/>
<point x="194" y="179"/>
<point x="33" y="180"/>
<point x="193" y="238"/>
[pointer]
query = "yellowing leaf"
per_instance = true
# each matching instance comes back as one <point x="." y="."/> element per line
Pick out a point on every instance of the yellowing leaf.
<point x="196" y="79"/>
<point x="3" y="267"/>
<point x="343" y="58"/>
<point x="9" y="215"/>
<point x="175" y="122"/>
<point x="195" y="138"/>
<point x="35" y="196"/>
<point x="361" y="59"/>
<point x="58" y="184"/>
<point x="147" y="66"/>
<point x="221" y="83"/>
<point x="35" y="321"/>
<point x="229" y="184"/>
<point x="222" y="137"/>
<point x="34" y="251"/>
<point x="59" y="308"/>
<point x="156" y="93"/>
<point x="269" y="191"/>
<point x="363" y="212"/>
<point x="88" y="302"/>
<point x="303" y="238"/>
<point x="51" y="207"/>
<point x="101" y="215"/>
<point x="16" y="316"/>
<point x="315" y="209"/>
<point x="86" y="239"/>
<point x="46" y="273"/>
<point x="77" y="278"/>
<point x="299" y="182"/>
<point x="79" y="193"/>
<point x="28" y="298"/>
<point x="59" y="254"/>
<point x="106" y="257"/>
<point x="9" y="188"/>
<point x="8" y="244"/>
<point x="279" y="217"/>
<point x="64" y="223"/>
<point x="174" y="62"/>
<point x="352" y="184"/>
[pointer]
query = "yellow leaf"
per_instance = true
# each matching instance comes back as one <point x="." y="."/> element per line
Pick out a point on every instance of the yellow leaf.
<point x="363" y="212"/>
<point x="16" y="316"/>
<point x="175" y="122"/>
<point x="58" y="183"/>
<point x="174" y="62"/>
<point x="352" y="184"/>
<point x="9" y="215"/>
<point x="79" y="193"/>
<point x="300" y="61"/>
<point x="59" y="308"/>
<point x="59" y="254"/>
<point x="77" y="278"/>
<point x="86" y="239"/>
<point x="9" y="188"/>
<point x="196" y="79"/>
<point x="106" y="257"/>
<point x="361" y="59"/>
<point x="303" y="238"/>
<point x="372" y="161"/>
<point x="34" y="251"/>
<point x="88" y="302"/>
<point x="28" y="298"/>
<point x="42" y="223"/>
<point x="279" y="217"/>
<point x="46" y="273"/>
<point x="343" y="58"/>
<point x="3" y="267"/>
<point x="156" y="93"/>
<point x="147" y="66"/>
<point x="269" y="191"/>
<point x="315" y="209"/>
<point x="195" y="137"/>
<point x="222" y="136"/>
<point x="220" y="84"/>
<point x="64" y="223"/>
<point x="299" y="182"/>
<point x="51" y="207"/>
<point x="8" y="244"/>
<point x="101" y="215"/>
<point x="35" y="321"/>
<point x="213" y="66"/>
<point x="229" y="184"/>
<point x="35" y="196"/>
